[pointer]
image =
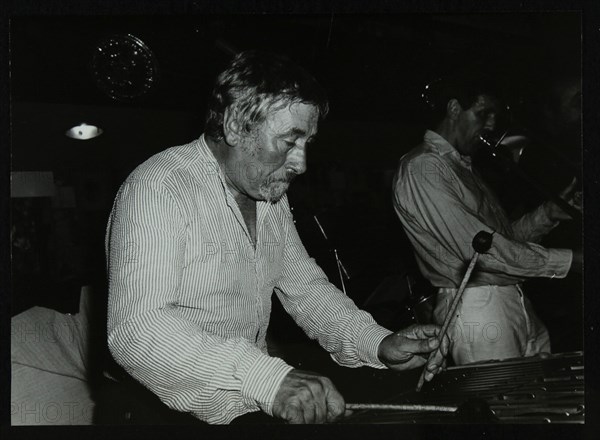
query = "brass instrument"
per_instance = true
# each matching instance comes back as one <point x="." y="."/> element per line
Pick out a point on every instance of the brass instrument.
<point x="507" y="150"/>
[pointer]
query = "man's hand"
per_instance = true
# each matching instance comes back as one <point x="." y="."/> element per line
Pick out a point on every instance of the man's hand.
<point x="306" y="397"/>
<point x="569" y="195"/>
<point x="410" y="348"/>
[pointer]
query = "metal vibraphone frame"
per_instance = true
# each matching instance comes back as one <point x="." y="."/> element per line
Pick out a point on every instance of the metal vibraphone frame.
<point x="548" y="389"/>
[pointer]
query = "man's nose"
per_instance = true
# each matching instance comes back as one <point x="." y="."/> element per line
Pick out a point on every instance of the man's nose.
<point x="297" y="160"/>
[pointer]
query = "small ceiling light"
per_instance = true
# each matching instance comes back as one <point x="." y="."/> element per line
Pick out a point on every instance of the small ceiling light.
<point x="83" y="132"/>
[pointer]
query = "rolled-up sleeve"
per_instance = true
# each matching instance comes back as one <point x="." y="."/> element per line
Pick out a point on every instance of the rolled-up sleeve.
<point x="189" y="369"/>
<point x="441" y="226"/>
<point x="533" y="226"/>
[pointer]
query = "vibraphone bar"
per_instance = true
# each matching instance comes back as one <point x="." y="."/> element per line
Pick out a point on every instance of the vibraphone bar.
<point x="526" y="390"/>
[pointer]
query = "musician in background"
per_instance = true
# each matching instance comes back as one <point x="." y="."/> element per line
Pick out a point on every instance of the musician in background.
<point x="199" y="238"/>
<point x="443" y="203"/>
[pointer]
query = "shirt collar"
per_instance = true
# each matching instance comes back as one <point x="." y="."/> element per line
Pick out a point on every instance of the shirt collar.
<point x="443" y="147"/>
<point x="211" y="165"/>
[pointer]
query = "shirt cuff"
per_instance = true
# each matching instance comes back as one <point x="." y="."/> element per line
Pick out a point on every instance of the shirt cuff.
<point x="262" y="380"/>
<point x="559" y="262"/>
<point x="368" y="345"/>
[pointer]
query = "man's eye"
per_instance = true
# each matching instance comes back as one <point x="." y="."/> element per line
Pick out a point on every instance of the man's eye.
<point x="290" y="144"/>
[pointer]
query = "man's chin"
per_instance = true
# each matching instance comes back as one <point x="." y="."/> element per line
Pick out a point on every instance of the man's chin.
<point x="274" y="191"/>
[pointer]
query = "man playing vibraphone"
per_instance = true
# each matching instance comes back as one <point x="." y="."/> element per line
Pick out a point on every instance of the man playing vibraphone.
<point x="443" y="203"/>
<point x="199" y="238"/>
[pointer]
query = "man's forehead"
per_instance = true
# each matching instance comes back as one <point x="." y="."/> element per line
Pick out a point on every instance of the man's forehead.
<point x="487" y="102"/>
<point x="296" y="118"/>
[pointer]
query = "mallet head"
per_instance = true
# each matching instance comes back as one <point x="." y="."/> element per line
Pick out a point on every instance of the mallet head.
<point x="482" y="242"/>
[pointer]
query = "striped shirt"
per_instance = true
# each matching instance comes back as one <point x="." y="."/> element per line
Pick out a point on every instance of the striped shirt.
<point x="443" y="203"/>
<point x="190" y="295"/>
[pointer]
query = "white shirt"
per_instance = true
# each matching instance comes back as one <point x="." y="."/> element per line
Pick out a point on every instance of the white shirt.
<point x="442" y="204"/>
<point x="190" y="296"/>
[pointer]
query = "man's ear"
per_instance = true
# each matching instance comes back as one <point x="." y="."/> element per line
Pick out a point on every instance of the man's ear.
<point x="231" y="128"/>
<point x="453" y="109"/>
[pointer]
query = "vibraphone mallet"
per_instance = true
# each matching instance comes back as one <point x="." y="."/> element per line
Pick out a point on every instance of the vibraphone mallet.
<point x="482" y="242"/>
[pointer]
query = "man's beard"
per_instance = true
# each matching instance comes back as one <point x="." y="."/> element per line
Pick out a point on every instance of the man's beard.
<point x="274" y="187"/>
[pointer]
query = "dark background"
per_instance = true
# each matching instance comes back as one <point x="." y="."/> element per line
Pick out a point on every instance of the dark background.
<point x="374" y="68"/>
<point x="40" y="145"/>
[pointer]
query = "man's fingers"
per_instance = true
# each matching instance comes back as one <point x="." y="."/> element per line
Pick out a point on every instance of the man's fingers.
<point x="422" y="331"/>
<point x="319" y="412"/>
<point x="410" y="347"/>
<point x="576" y="200"/>
<point x="569" y="189"/>
<point x="335" y="404"/>
<point x="445" y="345"/>
<point x="414" y="362"/>
<point x="438" y="362"/>
<point x="335" y="411"/>
<point x="315" y="403"/>
<point x="435" y="364"/>
<point x="305" y="397"/>
<point x="407" y="355"/>
<point x="293" y="414"/>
